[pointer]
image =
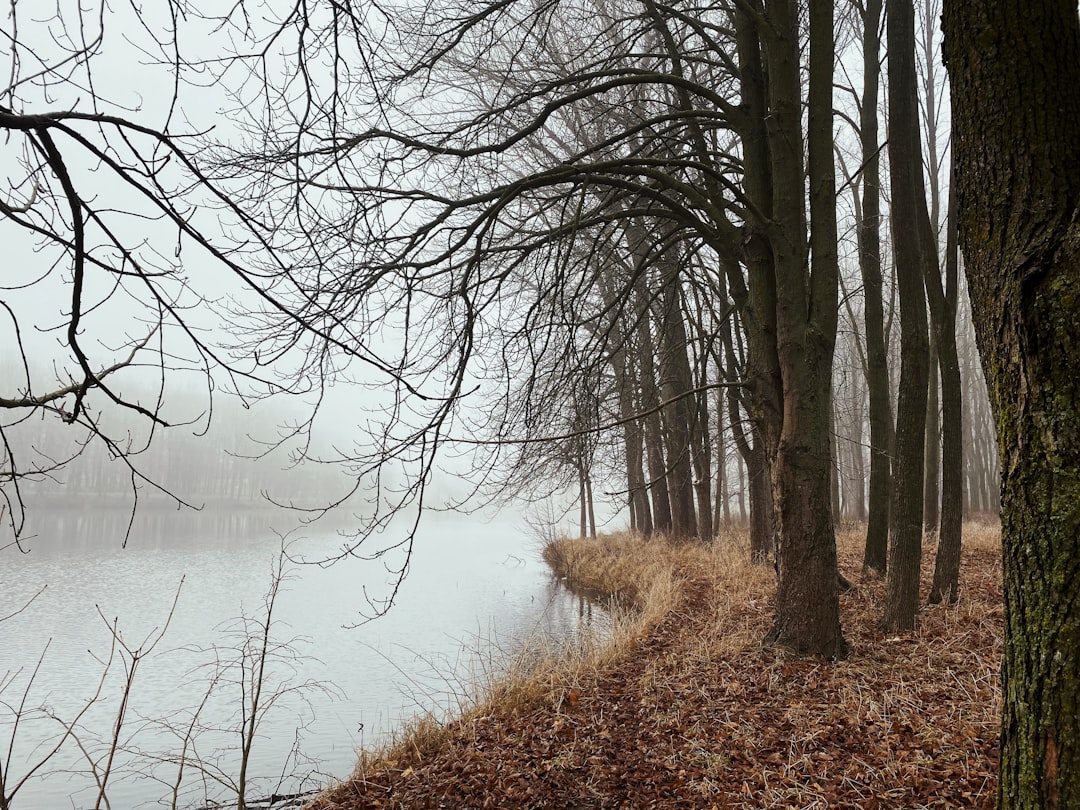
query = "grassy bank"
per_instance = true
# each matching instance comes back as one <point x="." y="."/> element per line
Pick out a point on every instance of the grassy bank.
<point x="683" y="708"/>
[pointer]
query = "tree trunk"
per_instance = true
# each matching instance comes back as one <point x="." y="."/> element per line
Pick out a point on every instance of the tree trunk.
<point x="764" y="402"/>
<point x="759" y="484"/>
<point x="678" y="414"/>
<point x="744" y="514"/>
<point x="940" y="332"/>
<point x="759" y="491"/>
<point x="650" y="404"/>
<point x="626" y="384"/>
<point x="592" y="506"/>
<point x="807" y="616"/>
<point x="1015" y="71"/>
<point x="913" y="246"/>
<point x="855" y="445"/>
<point x="875" y="555"/>
<point x="722" y="502"/>
<point x="946" y="583"/>
<point x="703" y="472"/>
<point x="932" y="440"/>
<point x="834" y="461"/>
<point x="583" y="507"/>
<point x="702" y="444"/>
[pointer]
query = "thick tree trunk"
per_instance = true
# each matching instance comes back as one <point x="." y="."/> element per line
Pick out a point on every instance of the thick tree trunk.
<point x="875" y="555"/>
<point x="762" y="510"/>
<point x="1015" y="71"/>
<point x="807" y="617"/>
<point x="915" y="253"/>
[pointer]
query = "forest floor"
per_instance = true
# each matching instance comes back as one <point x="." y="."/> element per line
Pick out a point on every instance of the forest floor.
<point x="685" y="708"/>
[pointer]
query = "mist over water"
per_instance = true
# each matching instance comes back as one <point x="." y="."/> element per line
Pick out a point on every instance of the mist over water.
<point x="475" y="594"/>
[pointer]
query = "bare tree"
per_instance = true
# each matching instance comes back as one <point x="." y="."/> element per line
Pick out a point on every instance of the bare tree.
<point x="250" y="674"/>
<point x="915" y="253"/>
<point x="386" y="202"/>
<point x="127" y="252"/>
<point x="944" y="435"/>
<point x="868" y="215"/>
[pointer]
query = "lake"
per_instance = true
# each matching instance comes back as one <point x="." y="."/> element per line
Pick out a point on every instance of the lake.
<point x="476" y="595"/>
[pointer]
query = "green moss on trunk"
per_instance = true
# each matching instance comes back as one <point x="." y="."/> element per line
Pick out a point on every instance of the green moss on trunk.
<point x="1015" y="69"/>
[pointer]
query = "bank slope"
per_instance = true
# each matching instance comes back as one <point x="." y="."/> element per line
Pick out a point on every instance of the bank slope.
<point x="685" y="708"/>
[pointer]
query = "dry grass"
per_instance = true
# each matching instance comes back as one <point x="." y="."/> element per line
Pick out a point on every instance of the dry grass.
<point x="685" y="708"/>
<point x="639" y="584"/>
<point x="623" y="569"/>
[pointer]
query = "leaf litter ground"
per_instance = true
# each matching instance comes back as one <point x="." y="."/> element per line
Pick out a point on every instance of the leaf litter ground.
<point x="692" y="712"/>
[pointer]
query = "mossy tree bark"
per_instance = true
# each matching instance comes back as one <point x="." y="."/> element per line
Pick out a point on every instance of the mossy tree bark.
<point x="1015" y="72"/>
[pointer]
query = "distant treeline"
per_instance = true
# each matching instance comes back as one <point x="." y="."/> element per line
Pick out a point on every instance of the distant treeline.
<point x="227" y="460"/>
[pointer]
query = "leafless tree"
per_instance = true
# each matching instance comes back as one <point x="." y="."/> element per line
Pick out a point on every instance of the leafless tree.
<point x="442" y="178"/>
<point x="247" y="676"/>
<point x="915" y="248"/>
<point x="127" y="252"/>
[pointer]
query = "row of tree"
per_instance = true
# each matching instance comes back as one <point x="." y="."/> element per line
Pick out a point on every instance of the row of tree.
<point x="668" y="277"/>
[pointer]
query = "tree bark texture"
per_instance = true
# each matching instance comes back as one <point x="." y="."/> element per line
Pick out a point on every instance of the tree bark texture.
<point x="915" y="252"/>
<point x="946" y="583"/>
<point x="676" y="383"/>
<point x="1015" y="73"/>
<point x="807" y="617"/>
<point x="875" y="555"/>
<point x="764" y="402"/>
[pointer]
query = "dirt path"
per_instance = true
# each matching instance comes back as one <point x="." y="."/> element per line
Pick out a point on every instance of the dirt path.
<point x="695" y="714"/>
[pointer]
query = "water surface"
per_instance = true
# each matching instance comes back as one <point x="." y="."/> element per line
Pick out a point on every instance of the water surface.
<point x="475" y="594"/>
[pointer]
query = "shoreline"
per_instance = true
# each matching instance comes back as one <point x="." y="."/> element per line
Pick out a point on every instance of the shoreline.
<point x="685" y="708"/>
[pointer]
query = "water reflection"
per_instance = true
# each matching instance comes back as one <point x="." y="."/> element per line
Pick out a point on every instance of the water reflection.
<point x="476" y="594"/>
